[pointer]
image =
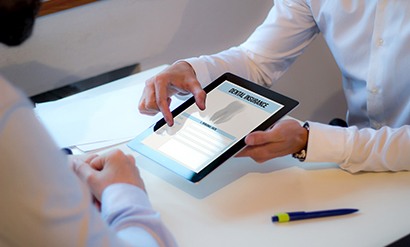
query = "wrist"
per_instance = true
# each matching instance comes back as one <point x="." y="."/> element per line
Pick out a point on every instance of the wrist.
<point x="301" y="154"/>
<point x="186" y="66"/>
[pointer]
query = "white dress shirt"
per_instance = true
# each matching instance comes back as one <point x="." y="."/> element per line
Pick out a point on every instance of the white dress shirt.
<point x="43" y="203"/>
<point x="370" y="41"/>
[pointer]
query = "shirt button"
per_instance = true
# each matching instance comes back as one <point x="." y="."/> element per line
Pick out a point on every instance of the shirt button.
<point x="380" y="42"/>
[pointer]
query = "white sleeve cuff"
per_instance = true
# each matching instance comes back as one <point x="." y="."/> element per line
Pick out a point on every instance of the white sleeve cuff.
<point x="118" y="197"/>
<point x="326" y="143"/>
<point x="201" y="70"/>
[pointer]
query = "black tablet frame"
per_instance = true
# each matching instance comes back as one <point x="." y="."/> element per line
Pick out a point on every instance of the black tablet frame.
<point x="288" y="105"/>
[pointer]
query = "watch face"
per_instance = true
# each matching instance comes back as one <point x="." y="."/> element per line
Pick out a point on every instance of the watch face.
<point x="301" y="155"/>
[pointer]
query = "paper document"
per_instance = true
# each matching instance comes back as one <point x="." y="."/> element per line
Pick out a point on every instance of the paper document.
<point x="97" y="121"/>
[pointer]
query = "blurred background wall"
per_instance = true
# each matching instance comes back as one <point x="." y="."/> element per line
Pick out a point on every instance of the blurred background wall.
<point x="103" y="36"/>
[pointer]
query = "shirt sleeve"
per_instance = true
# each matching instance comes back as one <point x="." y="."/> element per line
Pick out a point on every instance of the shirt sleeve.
<point x="357" y="150"/>
<point x="128" y="212"/>
<point x="268" y="52"/>
<point x="45" y="204"/>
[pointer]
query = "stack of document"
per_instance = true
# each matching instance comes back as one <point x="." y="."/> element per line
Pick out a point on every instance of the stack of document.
<point x="100" y="117"/>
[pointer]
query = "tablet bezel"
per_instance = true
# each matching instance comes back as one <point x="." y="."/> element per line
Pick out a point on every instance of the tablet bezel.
<point x="288" y="105"/>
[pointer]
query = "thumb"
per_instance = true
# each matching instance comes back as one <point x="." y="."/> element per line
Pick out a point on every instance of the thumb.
<point x="257" y="138"/>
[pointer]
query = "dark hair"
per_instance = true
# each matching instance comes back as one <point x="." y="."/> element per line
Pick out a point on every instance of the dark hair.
<point x="17" y="20"/>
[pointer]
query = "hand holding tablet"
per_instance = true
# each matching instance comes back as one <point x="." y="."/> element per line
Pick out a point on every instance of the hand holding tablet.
<point x="200" y="141"/>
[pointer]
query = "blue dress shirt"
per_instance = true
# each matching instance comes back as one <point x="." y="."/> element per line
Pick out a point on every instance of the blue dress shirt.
<point x="43" y="203"/>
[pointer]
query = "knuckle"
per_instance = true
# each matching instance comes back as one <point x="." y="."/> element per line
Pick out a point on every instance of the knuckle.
<point x="141" y="106"/>
<point x="150" y="82"/>
<point x="131" y="158"/>
<point x="160" y="79"/>
<point x="90" y="178"/>
<point x="117" y="153"/>
<point x="148" y="106"/>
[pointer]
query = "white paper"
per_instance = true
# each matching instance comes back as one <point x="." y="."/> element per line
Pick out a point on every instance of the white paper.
<point x="102" y="118"/>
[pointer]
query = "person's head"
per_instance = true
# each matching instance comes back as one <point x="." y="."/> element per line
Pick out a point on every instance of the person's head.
<point x="17" y="20"/>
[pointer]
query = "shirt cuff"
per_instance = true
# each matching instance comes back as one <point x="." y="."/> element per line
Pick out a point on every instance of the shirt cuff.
<point x="201" y="70"/>
<point x="117" y="198"/>
<point x="326" y="143"/>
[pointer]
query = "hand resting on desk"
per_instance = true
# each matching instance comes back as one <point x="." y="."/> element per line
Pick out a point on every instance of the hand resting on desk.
<point x="101" y="171"/>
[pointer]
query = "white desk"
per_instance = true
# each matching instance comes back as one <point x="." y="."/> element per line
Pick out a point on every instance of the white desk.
<point x="234" y="204"/>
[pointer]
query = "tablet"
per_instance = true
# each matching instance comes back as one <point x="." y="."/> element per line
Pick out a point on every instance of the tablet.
<point x="200" y="141"/>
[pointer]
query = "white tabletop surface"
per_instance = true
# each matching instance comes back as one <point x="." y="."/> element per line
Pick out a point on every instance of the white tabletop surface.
<point x="234" y="204"/>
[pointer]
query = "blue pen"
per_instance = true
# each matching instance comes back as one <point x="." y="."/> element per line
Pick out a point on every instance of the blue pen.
<point x="302" y="215"/>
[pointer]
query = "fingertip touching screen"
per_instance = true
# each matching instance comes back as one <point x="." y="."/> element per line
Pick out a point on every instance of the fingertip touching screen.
<point x="200" y="141"/>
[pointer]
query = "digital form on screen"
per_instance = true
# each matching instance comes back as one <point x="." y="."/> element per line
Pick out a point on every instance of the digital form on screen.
<point x="198" y="137"/>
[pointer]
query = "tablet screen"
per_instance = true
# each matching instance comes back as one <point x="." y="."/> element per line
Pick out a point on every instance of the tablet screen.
<point x="199" y="138"/>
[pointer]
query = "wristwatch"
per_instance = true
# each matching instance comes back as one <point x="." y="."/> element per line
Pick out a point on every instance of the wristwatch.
<point x="301" y="155"/>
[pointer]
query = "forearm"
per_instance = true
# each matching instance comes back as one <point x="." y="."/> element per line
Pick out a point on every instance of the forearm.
<point x="268" y="52"/>
<point x="360" y="150"/>
<point x="241" y="62"/>
<point x="210" y="67"/>
<point x="128" y="212"/>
